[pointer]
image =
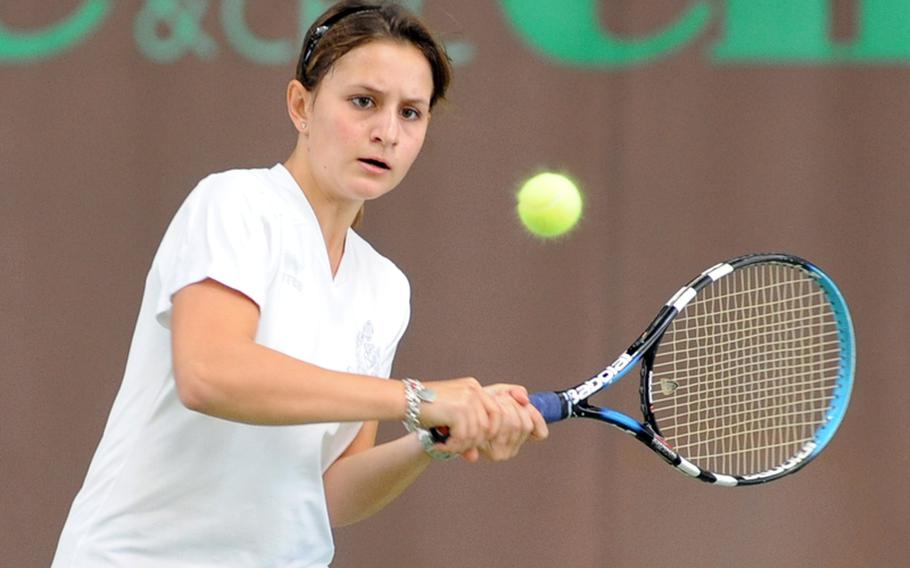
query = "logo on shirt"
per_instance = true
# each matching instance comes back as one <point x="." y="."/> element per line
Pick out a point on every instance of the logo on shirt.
<point x="292" y="281"/>
<point x="365" y="351"/>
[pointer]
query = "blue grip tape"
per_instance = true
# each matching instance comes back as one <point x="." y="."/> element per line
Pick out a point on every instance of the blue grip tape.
<point x="552" y="407"/>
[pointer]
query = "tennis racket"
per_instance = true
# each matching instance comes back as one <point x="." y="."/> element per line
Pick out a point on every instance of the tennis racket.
<point x="746" y="372"/>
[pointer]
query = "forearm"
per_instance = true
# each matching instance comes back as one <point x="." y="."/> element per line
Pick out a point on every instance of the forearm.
<point x="359" y="485"/>
<point x="221" y="371"/>
<point x="248" y="382"/>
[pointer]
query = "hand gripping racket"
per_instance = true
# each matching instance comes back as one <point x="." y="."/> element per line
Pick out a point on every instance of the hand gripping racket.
<point x="746" y="372"/>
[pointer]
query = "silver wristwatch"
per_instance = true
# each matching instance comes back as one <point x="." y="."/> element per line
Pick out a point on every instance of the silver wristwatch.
<point x="429" y="446"/>
<point x="415" y="393"/>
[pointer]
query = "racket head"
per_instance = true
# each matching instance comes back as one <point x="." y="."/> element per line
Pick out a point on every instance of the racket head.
<point x="752" y="377"/>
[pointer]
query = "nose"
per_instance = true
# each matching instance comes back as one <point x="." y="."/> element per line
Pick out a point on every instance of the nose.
<point x="386" y="129"/>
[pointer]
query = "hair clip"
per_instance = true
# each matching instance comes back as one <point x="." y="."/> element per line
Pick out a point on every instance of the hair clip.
<point x="324" y="28"/>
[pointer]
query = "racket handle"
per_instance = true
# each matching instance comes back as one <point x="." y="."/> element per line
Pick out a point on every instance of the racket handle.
<point x="551" y="406"/>
<point x="440" y="434"/>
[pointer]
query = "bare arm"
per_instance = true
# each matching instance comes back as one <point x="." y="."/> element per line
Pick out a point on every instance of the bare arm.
<point x="366" y="479"/>
<point x="221" y="371"/>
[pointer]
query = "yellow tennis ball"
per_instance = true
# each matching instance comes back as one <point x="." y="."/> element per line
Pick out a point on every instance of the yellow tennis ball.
<point x="549" y="205"/>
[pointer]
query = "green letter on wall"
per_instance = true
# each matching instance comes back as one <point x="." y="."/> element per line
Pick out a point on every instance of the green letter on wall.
<point x="786" y="31"/>
<point x="569" y="31"/>
<point x="884" y="32"/>
<point x="18" y="47"/>
<point x="776" y="31"/>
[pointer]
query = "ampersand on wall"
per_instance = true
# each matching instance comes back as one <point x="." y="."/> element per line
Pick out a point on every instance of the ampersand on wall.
<point x="181" y="20"/>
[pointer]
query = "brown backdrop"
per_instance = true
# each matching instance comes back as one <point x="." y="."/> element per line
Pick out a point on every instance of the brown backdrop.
<point x="685" y="162"/>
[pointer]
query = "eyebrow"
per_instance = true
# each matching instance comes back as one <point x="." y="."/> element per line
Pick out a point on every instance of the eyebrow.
<point x="374" y="90"/>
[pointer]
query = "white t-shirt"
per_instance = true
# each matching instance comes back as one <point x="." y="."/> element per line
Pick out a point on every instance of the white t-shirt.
<point x="169" y="487"/>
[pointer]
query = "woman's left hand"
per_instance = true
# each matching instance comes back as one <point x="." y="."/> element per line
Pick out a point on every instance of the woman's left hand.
<point x="520" y="421"/>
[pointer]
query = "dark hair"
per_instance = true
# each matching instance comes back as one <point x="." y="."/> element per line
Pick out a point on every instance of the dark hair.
<point x="352" y="23"/>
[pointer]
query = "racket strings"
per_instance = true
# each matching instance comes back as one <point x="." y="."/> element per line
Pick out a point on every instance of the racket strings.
<point x="712" y="388"/>
<point x="785" y="355"/>
<point x="739" y="453"/>
<point x="768" y="399"/>
<point x="755" y="333"/>
<point x="748" y="419"/>
<point x="745" y="374"/>
<point x="735" y="328"/>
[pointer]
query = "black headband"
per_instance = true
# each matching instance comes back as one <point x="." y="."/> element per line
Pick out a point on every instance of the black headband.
<point x="321" y="31"/>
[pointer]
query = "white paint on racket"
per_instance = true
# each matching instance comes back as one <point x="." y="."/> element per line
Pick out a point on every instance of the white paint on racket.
<point x="681" y="298"/>
<point x="688" y="468"/>
<point x="725" y="480"/>
<point x="718" y="271"/>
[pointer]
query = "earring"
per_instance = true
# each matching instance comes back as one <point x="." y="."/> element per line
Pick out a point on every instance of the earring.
<point x="302" y="125"/>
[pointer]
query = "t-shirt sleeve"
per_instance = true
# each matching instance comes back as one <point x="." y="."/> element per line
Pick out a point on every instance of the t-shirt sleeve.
<point x="221" y="232"/>
<point x="404" y="311"/>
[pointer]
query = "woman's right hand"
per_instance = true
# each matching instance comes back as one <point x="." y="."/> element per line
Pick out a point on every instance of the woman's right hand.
<point x="471" y="414"/>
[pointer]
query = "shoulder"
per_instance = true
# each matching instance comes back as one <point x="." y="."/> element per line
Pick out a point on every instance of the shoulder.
<point x="231" y="206"/>
<point x="243" y="189"/>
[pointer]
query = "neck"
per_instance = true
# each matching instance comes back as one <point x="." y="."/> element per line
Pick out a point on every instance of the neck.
<point x="335" y="216"/>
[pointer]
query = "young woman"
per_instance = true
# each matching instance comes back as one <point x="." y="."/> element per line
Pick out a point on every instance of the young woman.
<point x="245" y="425"/>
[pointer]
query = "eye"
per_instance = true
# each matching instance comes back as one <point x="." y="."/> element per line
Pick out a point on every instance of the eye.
<point x="410" y="113"/>
<point x="363" y="102"/>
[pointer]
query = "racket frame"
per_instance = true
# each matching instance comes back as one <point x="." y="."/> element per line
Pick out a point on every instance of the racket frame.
<point x="574" y="403"/>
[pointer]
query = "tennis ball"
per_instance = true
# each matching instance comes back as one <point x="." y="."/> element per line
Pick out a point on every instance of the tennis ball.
<point x="549" y="205"/>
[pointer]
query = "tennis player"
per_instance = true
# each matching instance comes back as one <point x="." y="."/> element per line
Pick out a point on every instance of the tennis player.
<point x="245" y="425"/>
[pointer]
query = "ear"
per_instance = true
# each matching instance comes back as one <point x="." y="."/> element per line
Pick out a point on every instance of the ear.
<point x="299" y="105"/>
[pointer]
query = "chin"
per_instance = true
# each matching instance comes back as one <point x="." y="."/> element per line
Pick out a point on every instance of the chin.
<point x="370" y="191"/>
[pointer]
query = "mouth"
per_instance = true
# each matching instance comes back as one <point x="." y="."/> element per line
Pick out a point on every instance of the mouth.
<point x="375" y="162"/>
